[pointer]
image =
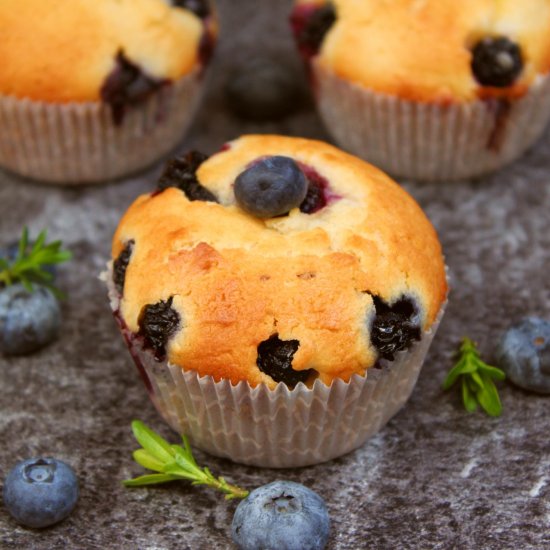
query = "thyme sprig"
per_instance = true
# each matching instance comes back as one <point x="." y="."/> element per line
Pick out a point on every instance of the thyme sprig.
<point x="476" y="379"/>
<point x="28" y="266"/>
<point x="173" y="462"/>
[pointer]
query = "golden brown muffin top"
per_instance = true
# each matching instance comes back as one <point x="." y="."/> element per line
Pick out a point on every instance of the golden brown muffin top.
<point x="63" y="50"/>
<point x="421" y="49"/>
<point x="236" y="279"/>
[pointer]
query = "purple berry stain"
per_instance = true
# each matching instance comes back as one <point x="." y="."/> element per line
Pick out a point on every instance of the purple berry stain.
<point x="130" y="339"/>
<point x="318" y="193"/>
<point x="127" y="85"/>
<point x="201" y="8"/>
<point x="310" y="23"/>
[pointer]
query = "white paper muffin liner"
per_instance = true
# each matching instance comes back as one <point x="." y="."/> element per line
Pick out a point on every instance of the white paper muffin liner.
<point x="73" y="143"/>
<point x="278" y="428"/>
<point x="430" y="141"/>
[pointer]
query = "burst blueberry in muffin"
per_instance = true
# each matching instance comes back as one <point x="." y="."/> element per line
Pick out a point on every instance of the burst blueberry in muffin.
<point x="95" y="90"/>
<point x="344" y="277"/>
<point x="431" y="89"/>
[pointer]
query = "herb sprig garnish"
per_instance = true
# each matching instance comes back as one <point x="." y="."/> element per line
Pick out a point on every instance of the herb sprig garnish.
<point x="28" y="265"/>
<point x="172" y="462"/>
<point x="476" y="378"/>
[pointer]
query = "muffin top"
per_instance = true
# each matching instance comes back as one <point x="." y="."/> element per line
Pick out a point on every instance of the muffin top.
<point x="425" y="50"/>
<point x="351" y="274"/>
<point x="64" y="50"/>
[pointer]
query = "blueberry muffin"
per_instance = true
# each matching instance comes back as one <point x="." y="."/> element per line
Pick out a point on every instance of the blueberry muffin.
<point x="95" y="90"/>
<point x="277" y="277"/>
<point x="431" y="89"/>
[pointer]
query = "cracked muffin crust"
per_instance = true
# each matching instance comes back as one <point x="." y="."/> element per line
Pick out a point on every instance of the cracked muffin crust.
<point x="323" y="290"/>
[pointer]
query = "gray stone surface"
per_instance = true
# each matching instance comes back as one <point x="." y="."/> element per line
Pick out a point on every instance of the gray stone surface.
<point x="435" y="477"/>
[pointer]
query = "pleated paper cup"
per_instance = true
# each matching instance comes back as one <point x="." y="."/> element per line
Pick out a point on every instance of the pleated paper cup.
<point x="276" y="428"/>
<point x="429" y="141"/>
<point x="72" y="143"/>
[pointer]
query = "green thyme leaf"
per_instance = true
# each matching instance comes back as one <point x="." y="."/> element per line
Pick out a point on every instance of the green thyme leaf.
<point x="468" y="398"/>
<point x="151" y="479"/>
<point x="489" y="399"/>
<point x="143" y="458"/>
<point x="493" y="372"/>
<point x="476" y="379"/>
<point x="173" y="462"/>
<point x="28" y="266"/>
<point x="153" y="443"/>
<point x="176" y="470"/>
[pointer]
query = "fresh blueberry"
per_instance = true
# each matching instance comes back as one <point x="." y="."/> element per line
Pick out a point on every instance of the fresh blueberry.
<point x="524" y="354"/>
<point x="28" y="320"/>
<point x="39" y="492"/>
<point x="262" y="89"/>
<point x="496" y="61"/>
<point x="281" y="516"/>
<point x="271" y="187"/>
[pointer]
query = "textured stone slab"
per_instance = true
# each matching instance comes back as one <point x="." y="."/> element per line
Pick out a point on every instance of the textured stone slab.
<point x="435" y="477"/>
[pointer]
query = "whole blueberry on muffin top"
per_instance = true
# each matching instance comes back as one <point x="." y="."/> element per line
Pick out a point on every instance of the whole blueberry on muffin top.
<point x="271" y="187"/>
<point x="496" y="61"/>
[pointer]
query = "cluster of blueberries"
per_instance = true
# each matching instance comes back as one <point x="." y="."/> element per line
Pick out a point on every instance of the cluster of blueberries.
<point x="40" y="492"/>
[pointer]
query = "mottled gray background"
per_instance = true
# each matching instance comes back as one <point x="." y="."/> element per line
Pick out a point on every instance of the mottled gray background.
<point x="435" y="477"/>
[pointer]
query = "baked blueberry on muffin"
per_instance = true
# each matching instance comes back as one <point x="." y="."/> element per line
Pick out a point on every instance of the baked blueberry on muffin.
<point x="95" y="90"/>
<point x="430" y="89"/>
<point x="277" y="269"/>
